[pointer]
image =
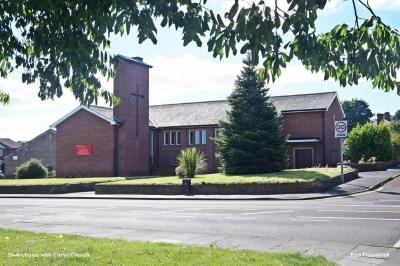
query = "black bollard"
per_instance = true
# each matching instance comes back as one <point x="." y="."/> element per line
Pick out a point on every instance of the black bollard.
<point x="187" y="186"/>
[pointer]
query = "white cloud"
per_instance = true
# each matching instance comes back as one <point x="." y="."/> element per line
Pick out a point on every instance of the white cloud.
<point x="189" y="78"/>
<point x="27" y="116"/>
<point x="385" y="4"/>
<point x="333" y="7"/>
<point x="337" y="6"/>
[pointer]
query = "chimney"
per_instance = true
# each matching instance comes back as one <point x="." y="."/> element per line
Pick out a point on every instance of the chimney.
<point x="379" y="118"/>
<point x="138" y="58"/>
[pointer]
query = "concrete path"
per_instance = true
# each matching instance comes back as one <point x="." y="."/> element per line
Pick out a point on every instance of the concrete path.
<point x="366" y="182"/>
<point x="361" y="229"/>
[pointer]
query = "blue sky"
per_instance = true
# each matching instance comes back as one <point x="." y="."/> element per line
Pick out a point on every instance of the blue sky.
<point x="182" y="74"/>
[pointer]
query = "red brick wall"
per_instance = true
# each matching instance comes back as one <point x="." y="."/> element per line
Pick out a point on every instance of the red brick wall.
<point x="133" y="149"/>
<point x="305" y="124"/>
<point x="84" y="128"/>
<point x="302" y="124"/>
<point x="166" y="154"/>
<point x="332" y="145"/>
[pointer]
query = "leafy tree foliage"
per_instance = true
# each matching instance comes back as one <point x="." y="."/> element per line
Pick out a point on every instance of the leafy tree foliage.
<point x="387" y="116"/>
<point x="357" y="112"/>
<point x="396" y="146"/>
<point x="60" y="43"/>
<point x="367" y="141"/>
<point x="395" y="126"/>
<point x="395" y="131"/>
<point x="251" y="140"/>
<point x="396" y="115"/>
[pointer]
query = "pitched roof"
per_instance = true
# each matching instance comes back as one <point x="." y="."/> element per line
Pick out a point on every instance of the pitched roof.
<point x="27" y="143"/>
<point x="9" y="143"/>
<point x="304" y="102"/>
<point x="211" y="112"/>
<point x="102" y="112"/>
<point x="189" y="114"/>
<point x="385" y="121"/>
<point x="135" y="59"/>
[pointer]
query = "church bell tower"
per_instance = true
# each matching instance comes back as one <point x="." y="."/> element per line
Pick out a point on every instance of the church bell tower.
<point x="131" y="85"/>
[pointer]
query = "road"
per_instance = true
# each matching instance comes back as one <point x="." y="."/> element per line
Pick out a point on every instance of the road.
<point x="348" y="230"/>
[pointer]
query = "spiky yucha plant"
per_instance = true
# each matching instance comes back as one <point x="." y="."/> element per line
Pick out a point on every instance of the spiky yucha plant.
<point x="190" y="163"/>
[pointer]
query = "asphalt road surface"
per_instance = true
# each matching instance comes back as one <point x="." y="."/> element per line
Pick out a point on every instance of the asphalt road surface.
<point x="361" y="229"/>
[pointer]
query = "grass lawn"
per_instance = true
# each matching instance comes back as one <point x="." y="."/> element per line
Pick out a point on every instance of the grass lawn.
<point x="54" y="249"/>
<point x="286" y="176"/>
<point x="57" y="181"/>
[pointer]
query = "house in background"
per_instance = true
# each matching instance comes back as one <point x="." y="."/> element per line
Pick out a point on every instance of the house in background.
<point x="42" y="147"/>
<point x="134" y="138"/>
<point x="6" y="147"/>
<point x="380" y="118"/>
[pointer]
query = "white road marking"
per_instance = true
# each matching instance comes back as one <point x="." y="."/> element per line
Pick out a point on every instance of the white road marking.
<point x="203" y="214"/>
<point x="184" y="216"/>
<point x="397" y="245"/>
<point x="389" y="200"/>
<point x="357" y="211"/>
<point x="240" y="218"/>
<point x="349" y="218"/>
<point x="266" y="212"/>
<point x="309" y="220"/>
<point x="361" y="205"/>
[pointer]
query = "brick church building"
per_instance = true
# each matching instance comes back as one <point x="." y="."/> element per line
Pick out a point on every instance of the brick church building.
<point x="134" y="138"/>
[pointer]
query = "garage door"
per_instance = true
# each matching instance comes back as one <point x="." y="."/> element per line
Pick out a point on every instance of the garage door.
<point x="303" y="158"/>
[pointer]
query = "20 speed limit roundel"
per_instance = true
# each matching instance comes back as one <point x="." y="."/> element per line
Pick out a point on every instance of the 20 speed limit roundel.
<point x="341" y="129"/>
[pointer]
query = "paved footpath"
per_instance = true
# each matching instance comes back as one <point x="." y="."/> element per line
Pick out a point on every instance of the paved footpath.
<point x="366" y="182"/>
<point x="360" y="229"/>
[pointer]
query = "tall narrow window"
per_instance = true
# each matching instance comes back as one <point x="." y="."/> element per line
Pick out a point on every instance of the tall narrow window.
<point x="151" y="141"/>
<point x="197" y="140"/>
<point x="173" y="137"/>
<point x="191" y="137"/>
<point x="204" y="136"/>
<point x="166" y="138"/>
<point x="178" y="138"/>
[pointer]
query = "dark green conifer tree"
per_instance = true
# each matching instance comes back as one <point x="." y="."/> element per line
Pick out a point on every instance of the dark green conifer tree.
<point x="250" y="140"/>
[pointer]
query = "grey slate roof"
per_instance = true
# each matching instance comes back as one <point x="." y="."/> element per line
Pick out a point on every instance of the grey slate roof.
<point x="211" y="112"/>
<point x="188" y="114"/>
<point x="104" y="110"/>
<point x="304" y="102"/>
<point x="9" y="143"/>
<point x="137" y="60"/>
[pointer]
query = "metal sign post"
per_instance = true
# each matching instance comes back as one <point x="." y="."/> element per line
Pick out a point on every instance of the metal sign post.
<point x="341" y="161"/>
<point x="341" y="133"/>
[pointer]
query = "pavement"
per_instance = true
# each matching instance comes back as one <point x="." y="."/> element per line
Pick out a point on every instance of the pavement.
<point x="367" y="181"/>
<point x="358" y="229"/>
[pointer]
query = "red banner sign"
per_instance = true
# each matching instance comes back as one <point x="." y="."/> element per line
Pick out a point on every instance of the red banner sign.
<point x="83" y="150"/>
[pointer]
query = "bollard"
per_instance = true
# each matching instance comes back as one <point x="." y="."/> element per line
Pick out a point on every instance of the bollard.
<point x="186" y="186"/>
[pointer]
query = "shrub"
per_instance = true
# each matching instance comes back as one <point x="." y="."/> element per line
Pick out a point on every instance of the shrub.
<point x="396" y="146"/>
<point x="367" y="141"/>
<point x="31" y="169"/>
<point x="395" y="126"/>
<point x="190" y="163"/>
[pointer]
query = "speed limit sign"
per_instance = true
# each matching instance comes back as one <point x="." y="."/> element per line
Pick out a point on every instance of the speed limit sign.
<point x="341" y="129"/>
